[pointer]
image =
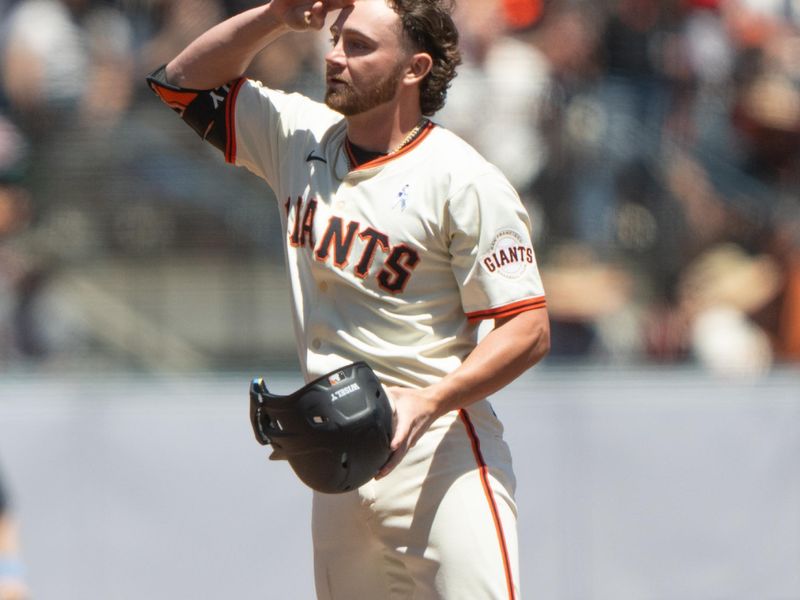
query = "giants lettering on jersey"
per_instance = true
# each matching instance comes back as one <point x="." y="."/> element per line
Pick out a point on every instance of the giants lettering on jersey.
<point x="509" y="256"/>
<point x="342" y="242"/>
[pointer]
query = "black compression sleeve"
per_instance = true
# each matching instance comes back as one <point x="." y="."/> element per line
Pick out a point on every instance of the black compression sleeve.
<point x="206" y="111"/>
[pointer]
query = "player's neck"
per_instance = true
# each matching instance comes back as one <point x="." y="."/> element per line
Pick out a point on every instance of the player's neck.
<point x="382" y="133"/>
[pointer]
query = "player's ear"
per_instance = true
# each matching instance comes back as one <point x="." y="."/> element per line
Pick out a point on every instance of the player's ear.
<point x="420" y="65"/>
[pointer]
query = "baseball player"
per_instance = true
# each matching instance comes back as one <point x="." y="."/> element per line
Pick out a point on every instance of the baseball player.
<point x="399" y="241"/>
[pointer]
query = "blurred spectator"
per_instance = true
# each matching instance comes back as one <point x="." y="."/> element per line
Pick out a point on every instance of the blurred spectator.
<point x="595" y="310"/>
<point x="12" y="581"/>
<point x="32" y="324"/>
<point x="515" y="58"/>
<point x="622" y="114"/>
<point x="63" y="58"/>
<point x="15" y="217"/>
<point x="181" y="21"/>
<point x="788" y="325"/>
<point x="719" y="294"/>
<point x="68" y="79"/>
<point x="44" y="59"/>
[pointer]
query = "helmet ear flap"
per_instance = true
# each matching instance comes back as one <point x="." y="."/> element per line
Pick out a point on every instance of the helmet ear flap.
<point x="257" y="389"/>
<point x="335" y="431"/>
<point x="264" y="425"/>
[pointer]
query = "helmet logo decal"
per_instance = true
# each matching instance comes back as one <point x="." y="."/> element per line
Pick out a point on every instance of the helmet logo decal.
<point x="345" y="391"/>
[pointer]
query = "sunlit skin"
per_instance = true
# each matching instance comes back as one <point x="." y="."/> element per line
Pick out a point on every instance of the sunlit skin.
<point x="361" y="73"/>
<point x="373" y="75"/>
<point x="350" y="99"/>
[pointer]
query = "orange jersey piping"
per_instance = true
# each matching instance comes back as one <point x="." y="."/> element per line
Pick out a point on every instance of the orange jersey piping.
<point x="230" y="122"/>
<point x="404" y="150"/>
<point x="508" y="310"/>
<point x="484" y="474"/>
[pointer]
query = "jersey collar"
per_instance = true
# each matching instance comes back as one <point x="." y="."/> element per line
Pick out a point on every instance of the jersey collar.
<point x="383" y="159"/>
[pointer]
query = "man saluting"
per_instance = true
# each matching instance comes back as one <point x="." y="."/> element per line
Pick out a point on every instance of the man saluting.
<point x="400" y="240"/>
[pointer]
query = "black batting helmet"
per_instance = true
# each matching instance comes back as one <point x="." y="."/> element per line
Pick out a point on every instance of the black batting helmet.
<point x="335" y="431"/>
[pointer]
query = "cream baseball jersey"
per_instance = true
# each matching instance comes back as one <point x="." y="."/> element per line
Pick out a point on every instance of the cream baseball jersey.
<point x="396" y="261"/>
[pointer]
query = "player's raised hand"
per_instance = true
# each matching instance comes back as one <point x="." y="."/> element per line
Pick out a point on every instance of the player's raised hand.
<point x="303" y="15"/>
<point x="414" y="411"/>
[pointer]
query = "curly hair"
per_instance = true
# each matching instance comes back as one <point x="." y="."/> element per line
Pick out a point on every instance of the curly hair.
<point x="429" y="27"/>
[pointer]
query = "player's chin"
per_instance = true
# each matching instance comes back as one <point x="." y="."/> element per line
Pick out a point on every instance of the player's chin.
<point x="332" y="99"/>
<point x="342" y="108"/>
<point x="337" y="90"/>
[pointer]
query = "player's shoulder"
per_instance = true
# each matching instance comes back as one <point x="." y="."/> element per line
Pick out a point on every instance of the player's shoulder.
<point x="454" y="146"/>
<point x="296" y="111"/>
<point x="459" y="161"/>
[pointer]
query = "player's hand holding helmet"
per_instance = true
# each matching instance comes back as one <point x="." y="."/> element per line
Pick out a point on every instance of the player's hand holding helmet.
<point x="335" y="431"/>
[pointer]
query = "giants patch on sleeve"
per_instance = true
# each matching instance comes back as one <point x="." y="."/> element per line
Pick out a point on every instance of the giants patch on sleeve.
<point x="509" y="256"/>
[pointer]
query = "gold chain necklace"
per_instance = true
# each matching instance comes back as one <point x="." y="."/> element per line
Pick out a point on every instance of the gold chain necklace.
<point x="410" y="136"/>
<point x="408" y="139"/>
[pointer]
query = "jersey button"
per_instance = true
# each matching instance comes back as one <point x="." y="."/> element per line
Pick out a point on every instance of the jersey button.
<point x="323" y="287"/>
<point x="316" y="344"/>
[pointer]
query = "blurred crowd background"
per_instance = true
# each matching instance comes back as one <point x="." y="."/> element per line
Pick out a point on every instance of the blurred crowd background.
<point x="656" y="145"/>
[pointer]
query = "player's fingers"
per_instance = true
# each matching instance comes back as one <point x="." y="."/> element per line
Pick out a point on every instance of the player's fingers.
<point x="399" y="447"/>
<point x="400" y="437"/>
<point x="394" y="460"/>
<point x="337" y="4"/>
<point x="315" y="16"/>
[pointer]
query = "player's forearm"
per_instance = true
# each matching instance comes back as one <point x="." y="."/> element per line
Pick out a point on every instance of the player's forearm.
<point x="504" y="354"/>
<point x="224" y="52"/>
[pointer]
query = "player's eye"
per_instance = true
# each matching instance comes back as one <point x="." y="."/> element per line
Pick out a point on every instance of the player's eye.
<point x="356" y="45"/>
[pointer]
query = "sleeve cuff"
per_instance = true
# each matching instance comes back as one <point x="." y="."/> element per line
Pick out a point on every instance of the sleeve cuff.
<point x="176" y="98"/>
<point x="508" y="310"/>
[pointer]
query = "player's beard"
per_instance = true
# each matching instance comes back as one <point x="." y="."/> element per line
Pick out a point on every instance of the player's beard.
<point x="345" y="99"/>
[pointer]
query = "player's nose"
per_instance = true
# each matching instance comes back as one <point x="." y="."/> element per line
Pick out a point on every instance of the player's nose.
<point x="335" y="57"/>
